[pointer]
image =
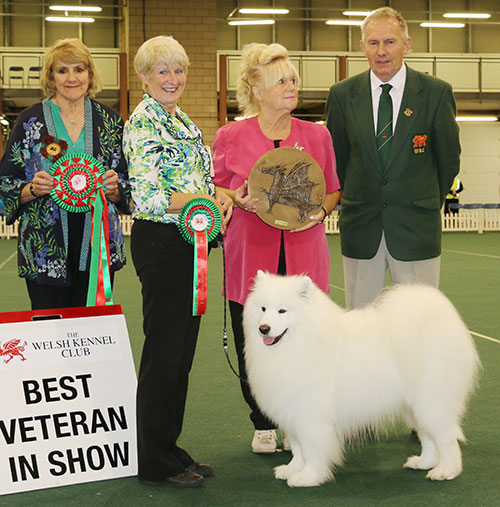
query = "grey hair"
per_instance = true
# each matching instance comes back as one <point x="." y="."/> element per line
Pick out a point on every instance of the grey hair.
<point x="385" y="12"/>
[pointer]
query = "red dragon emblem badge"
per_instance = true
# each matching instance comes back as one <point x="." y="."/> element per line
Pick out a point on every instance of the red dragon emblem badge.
<point x="12" y="348"/>
<point x="419" y="143"/>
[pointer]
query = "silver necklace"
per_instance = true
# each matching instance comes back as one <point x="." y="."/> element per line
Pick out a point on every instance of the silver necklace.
<point x="71" y="123"/>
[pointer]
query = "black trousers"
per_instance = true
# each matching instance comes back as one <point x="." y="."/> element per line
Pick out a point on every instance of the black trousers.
<point x="164" y="264"/>
<point x="74" y="294"/>
<point x="60" y="296"/>
<point x="447" y="209"/>
<point x="260" y="421"/>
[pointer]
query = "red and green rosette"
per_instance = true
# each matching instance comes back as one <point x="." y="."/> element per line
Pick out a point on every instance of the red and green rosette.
<point x="79" y="186"/>
<point x="199" y="223"/>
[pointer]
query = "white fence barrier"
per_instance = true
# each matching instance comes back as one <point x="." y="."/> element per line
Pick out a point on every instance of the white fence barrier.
<point x="467" y="220"/>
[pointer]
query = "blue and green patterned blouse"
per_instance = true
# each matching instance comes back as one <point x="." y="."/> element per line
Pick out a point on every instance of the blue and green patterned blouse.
<point x="165" y="154"/>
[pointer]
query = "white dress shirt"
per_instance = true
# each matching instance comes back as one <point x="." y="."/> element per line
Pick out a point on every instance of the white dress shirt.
<point x="396" y="93"/>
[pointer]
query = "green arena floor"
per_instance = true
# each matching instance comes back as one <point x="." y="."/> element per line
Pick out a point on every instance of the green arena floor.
<point x="217" y="429"/>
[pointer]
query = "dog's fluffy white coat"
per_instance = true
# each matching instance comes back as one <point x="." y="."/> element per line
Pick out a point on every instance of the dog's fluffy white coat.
<point x="333" y="374"/>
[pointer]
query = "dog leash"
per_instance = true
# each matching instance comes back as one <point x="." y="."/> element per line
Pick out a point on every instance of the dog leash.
<point x="224" y="331"/>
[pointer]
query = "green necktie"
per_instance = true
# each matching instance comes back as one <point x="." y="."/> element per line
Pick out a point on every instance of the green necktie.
<point x="384" y="124"/>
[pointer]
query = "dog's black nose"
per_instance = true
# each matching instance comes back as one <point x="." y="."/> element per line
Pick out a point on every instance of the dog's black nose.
<point x="264" y="329"/>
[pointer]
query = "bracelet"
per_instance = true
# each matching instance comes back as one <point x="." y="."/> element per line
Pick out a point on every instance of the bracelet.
<point x="326" y="214"/>
<point x="32" y="191"/>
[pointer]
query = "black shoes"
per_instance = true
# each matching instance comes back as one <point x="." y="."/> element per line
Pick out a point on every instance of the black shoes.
<point x="200" y="469"/>
<point x="183" y="480"/>
<point x="193" y="476"/>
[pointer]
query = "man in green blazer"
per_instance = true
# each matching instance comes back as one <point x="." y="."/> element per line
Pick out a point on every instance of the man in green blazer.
<point x="390" y="214"/>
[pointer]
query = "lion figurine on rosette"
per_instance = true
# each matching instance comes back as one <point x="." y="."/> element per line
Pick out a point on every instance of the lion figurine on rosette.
<point x="324" y="374"/>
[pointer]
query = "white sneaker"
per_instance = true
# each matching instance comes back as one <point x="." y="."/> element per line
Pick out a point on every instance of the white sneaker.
<point x="286" y="442"/>
<point x="264" y="441"/>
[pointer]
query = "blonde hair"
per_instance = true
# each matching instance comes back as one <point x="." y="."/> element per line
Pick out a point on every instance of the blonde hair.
<point x="69" y="51"/>
<point x="385" y="12"/>
<point x="261" y="64"/>
<point x="161" y="50"/>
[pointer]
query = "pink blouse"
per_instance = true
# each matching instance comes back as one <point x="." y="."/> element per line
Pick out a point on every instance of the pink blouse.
<point x="250" y="243"/>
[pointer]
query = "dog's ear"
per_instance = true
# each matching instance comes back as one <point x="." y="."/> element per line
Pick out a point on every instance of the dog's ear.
<point x="305" y="286"/>
<point x="260" y="274"/>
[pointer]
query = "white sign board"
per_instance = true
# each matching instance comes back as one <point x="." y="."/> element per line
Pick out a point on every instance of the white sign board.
<point x="67" y="411"/>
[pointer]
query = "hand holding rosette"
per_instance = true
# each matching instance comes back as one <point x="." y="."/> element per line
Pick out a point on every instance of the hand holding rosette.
<point x="79" y="186"/>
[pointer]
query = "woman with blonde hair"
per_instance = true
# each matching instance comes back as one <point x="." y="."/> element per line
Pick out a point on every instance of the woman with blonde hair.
<point x="268" y="90"/>
<point x="54" y="243"/>
<point x="169" y="166"/>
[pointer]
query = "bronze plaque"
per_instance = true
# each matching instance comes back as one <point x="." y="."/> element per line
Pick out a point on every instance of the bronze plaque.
<point x="290" y="186"/>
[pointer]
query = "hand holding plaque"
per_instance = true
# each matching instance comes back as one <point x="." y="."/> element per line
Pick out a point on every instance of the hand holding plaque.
<point x="290" y="186"/>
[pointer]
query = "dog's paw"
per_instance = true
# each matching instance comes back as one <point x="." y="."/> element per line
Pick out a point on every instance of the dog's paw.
<point x="301" y="480"/>
<point x="282" y="472"/>
<point x="418" y="463"/>
<point x="308" y="477"/>
<point x="441" y="473"/>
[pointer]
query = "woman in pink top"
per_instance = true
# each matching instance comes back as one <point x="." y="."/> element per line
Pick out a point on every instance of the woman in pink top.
<point x="268" y="89"/>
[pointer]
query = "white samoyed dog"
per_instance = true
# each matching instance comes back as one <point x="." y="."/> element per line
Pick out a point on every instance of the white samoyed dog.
<point x="324" y="374"/>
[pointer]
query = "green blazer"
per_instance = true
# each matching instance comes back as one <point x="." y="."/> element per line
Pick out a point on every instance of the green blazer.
<point x="403" y="199"/>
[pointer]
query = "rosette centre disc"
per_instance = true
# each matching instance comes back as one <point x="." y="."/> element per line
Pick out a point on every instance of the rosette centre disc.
<point x="199" y="222"/>
<point x="78" y="182"/>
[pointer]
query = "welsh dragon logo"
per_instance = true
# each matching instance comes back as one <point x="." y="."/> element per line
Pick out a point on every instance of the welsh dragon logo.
<point x="11" y="349"/>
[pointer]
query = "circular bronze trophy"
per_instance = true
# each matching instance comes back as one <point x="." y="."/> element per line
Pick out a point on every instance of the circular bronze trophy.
<point x="290" y="186"/>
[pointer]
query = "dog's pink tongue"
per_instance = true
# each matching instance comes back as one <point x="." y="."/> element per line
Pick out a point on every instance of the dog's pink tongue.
<point x="268" y="340"/>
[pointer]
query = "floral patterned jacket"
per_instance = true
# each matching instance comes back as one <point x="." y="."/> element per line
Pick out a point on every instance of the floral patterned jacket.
<point x="43" y="225"/>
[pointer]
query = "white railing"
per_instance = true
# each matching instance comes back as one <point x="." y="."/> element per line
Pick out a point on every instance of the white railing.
<point x="7" y="231"/>
<point x="479" y="218"/>
<point x="467" y="220"/>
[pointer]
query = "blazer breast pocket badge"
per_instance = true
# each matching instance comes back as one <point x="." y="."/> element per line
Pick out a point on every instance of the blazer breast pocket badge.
<point x="419" y="143"/>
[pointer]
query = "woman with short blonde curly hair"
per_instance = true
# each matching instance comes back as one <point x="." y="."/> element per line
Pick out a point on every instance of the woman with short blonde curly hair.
<point x="69" y="51"/>
<point x="268" y="92"/>
<point x="169" y="166"/>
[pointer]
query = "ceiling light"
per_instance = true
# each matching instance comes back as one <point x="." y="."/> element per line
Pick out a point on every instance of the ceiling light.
<point x="263" y="11"/>
<point x="78" y="8"/>
<point x="235" y="22"/>
<point x="357" y="13"/>
<point x="349" y="22"/>
<point x="432" y="24"/>
<point x="477" y="118"/>
<point x="70" y="19"/>
<point x="475" y="15"/>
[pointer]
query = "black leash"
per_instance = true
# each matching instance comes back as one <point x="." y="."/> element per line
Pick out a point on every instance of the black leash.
<point x="224" y="331"/>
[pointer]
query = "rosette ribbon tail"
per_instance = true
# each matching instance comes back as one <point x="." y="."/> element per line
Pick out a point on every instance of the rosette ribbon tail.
<point x="200" y="273"/>
<point x="199" y="223"/>
<point x="100" y="290"/>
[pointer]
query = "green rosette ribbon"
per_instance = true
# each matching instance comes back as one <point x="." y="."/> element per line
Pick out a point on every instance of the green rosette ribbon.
<point x="199" y="223"/>
<point x="79" y="186"/>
